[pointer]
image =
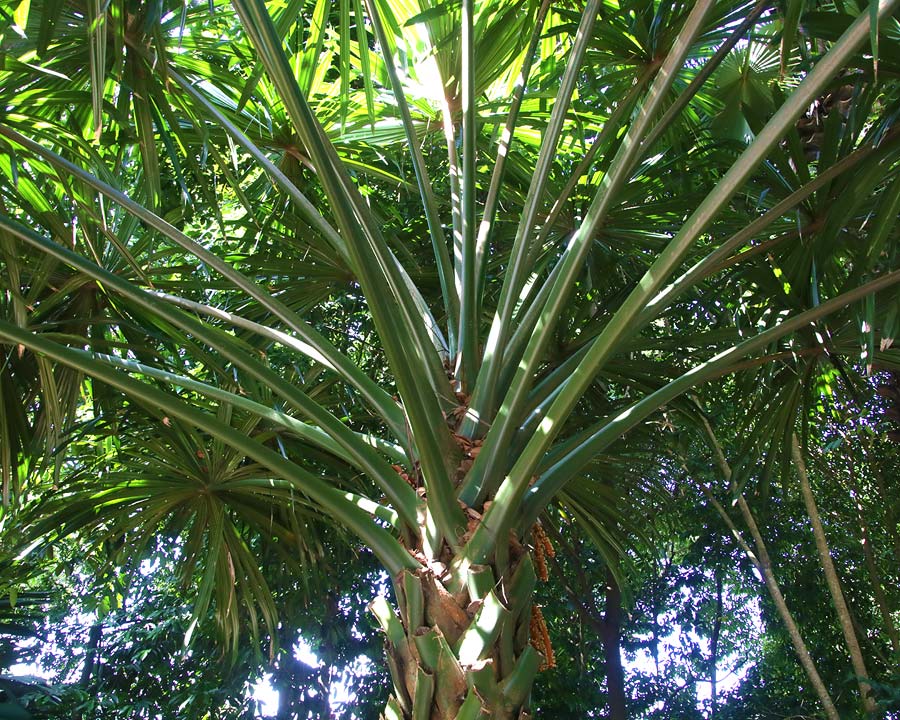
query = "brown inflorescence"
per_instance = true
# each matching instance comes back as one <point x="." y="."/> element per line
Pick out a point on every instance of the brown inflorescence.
<point x="540" y="638"/>
<point x="543" y="549"/>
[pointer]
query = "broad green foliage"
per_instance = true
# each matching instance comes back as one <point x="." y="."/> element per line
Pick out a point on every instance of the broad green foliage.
<point x="417" y="269"/>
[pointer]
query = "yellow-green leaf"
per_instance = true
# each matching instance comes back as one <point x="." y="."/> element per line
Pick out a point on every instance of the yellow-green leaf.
<point x="20" y="17"/>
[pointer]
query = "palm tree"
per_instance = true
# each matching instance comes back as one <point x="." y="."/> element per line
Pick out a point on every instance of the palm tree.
<point x="418" y="268"/>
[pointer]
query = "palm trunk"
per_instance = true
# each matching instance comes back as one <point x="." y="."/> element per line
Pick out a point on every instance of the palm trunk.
<point x="834" y="584"/>
<point x="466" y="654"/>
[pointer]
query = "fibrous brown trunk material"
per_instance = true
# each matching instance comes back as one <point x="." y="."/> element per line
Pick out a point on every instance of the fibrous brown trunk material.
<point x="464" y="654"/>
<point x="831" y="579"/>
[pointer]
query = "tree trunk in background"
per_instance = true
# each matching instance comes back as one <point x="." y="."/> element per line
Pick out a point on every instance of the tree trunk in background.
<point x="90" y="656"/>
<point x="612" y="636"/>
<point x="89" y="679"/>
<point x="714" y="644"/>
<point x="607" y="625"/>
<point x="833" y="582"/>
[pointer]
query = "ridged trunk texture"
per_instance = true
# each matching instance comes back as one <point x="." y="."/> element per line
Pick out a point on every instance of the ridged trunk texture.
<point x="464" y="654"/>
